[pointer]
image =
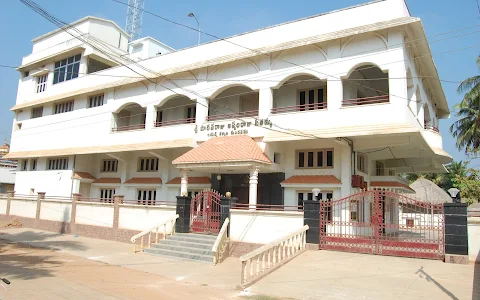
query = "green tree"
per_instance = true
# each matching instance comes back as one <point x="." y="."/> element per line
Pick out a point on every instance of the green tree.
<point x="467" y="128"/>
<point x="469" y="186"/>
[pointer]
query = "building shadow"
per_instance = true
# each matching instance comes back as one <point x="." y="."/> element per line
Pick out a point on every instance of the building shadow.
<point x="476" y="278"/>
<point x="41" y="240"/>
<point x="429" y="278"/>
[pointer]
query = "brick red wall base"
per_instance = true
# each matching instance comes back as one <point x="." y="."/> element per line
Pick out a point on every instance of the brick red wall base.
<point x="237" y="249"/>
<point x="98" y="232"/>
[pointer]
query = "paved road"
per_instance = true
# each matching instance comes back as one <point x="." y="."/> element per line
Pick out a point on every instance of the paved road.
<point x="46" y="274"/>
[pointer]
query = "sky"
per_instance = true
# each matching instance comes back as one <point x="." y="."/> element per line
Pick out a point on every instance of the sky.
<point x="19" y="25"/>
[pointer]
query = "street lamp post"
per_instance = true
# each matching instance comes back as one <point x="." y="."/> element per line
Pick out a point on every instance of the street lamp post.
<point x="192" y="15"/>
<point x="453" y="193"/>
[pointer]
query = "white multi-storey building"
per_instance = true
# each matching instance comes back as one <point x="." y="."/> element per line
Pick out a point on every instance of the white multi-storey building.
<point x="267" y="115"/>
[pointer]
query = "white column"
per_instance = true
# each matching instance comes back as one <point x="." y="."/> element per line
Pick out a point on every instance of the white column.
<point x="265" y="102"/>
<point x="252" y="195"/>
<point x="202" y="111"/>
<point x="334" y="93"/>
<point x="346" y="171"/>
<point x="150" y="117"/>
<point x="183" y="182"/>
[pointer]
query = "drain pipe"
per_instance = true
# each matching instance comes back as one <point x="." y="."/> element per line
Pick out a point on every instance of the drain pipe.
<point x="352" y="153"/>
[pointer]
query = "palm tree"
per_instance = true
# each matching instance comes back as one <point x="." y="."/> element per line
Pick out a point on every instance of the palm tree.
<point x="467" y="128"/>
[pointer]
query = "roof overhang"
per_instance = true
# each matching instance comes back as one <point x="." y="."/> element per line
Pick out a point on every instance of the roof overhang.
<point x="53" y="57"/>
<point x="185" y="143"/>
<point x="397" y="186"/>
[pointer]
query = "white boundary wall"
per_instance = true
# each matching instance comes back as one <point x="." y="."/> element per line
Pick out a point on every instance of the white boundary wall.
<point x="56" y="210"/>
<point x="473" y="239"/>
<point x="143" y="217"/>
<point x="23" y="207"/>
<point x="262" y="227"/>
<point x="3" y="205"/>
<point x="97" y="214"/>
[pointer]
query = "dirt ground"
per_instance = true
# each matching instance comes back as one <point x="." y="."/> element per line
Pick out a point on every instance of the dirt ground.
<point x="37" y="273"/>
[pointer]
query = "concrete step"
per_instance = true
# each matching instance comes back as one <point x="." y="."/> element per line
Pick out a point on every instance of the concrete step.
<point x="199" y="235"/>
<point x="180" y="255"/>
<point x="186" y="248"/>
<point x="180" y="243"/>
<point x="193" y="238"/>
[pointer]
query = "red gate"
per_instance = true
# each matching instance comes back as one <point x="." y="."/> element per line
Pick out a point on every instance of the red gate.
<point x="383" y="222"/>
<point x="205" y="212"/>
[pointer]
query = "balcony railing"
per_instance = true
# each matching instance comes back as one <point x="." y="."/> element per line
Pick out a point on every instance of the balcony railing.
<point x="128" y="128"/>
<point x="367" y="100"/>
<point x="175" y="122"/>
<point x="243" y="114"/>
<point x="303" y="107"/>
<point x="432" y="128"/>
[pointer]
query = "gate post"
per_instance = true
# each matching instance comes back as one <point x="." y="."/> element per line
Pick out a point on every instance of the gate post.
<point x="311" y="217"/>
<point x="225" y="206"/>
<point x="456" y="235"/>
<point x="183" y="211"/>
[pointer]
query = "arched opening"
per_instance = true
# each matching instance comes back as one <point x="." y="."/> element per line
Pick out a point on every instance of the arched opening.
<point x="130" y="117"/>
<point x="366" y="84"/>
<point x="175" y="111"/>
<point x="234" y="102"/>
<point x="429" y="120"/>
<point x="300" y="93"/>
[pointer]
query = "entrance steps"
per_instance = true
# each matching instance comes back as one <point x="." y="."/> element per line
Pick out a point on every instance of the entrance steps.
<point x="192" y="246"/>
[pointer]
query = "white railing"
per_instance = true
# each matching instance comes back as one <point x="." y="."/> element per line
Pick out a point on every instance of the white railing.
<point x="142" y="234"/>
<point x="268" y="258"/>
<point x="221" y="243"/>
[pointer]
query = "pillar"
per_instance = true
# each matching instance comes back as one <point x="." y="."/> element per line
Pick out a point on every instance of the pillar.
<point x="183" y="182"/>
<point x="150" y="116"/>
<point x="265" y="102"/>
<point x="252" y="195"/>
<point x="73" y="212"/>
<point x="183" y="211"/>
<point x="201" y="111"/>
<point x="117" y="200"/>
<point x="346" y="170"/>
<point x="10" y="195"/>
<point x="311" y="217"/>
<point x="225" y="207"/>
<point x="40" y="197"/>
<point x="456" y="234"/>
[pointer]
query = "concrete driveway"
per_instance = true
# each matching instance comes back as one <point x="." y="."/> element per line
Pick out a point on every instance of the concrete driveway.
<point x="338" y="275"/>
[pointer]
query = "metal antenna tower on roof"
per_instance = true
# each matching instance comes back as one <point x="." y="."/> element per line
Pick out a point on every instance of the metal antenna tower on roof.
<point x="134" y="19"/>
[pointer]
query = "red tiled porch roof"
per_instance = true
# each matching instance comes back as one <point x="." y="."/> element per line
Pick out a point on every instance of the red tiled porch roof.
<point x="312" y="179"/>
<point x="83" y="175"/>
<point x="108" y="180"/>
<point x="191" y="180"/>
<point x="238" y="148"/>
<point x="390" y="184"/>
<point x="144" y="180"/>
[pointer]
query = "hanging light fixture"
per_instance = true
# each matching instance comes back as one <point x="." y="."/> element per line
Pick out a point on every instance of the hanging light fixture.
<point x="219" y="177"/>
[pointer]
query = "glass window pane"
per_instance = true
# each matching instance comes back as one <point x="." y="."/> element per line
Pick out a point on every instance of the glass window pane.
<point x="310" y="159"/>
<point x="311" y="97"/>
<point x="63" y="62"/>
<point x="57" y="64"/>
<point x="329" y="196"/>
<point x="301" y="159"/>
<point x="329" y="158"/>
<point x="77" y="57"/>
<point x="61" y="74"/>
<point x="320" y="159"/>
<point x="76" y="67"/>
<point x="310" y="196"/>
<point x="69" y="72"/>
<point x="55" y="76"/>
<point x="320" y="96"/>
<point x="302" y="100"/>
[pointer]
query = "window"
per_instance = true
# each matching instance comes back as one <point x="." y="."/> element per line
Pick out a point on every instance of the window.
<point x="379" y="169"/>
<point x="24" y="165"/>
<point x="37" y="112"/>
<point x="106" y="195"/>
<point x="191" y="113"/>
<point x="159" y="116"/>
<point x="57" y="164"/>
<point x="95" y="101"/>
<point x="276" y="158"/>
<point x="42" y="83"/>
<point x="391" y="173"/>
<point x="146" y="197"/>
<point x="33" y="164"/>
<point x="109" y="165"/>
<point x="192" y="193"/>
<point x="315" y="159"/>
<point x="66" y="69"/>
<point x="63" y="107"/>
<point x="26" y="74"/>
<point x="312" y="99"/>
<point x="148" y="164"/>
<point x="19" y="126"/>
<point x="301" y="196"/>
<point x="361" y="163"/>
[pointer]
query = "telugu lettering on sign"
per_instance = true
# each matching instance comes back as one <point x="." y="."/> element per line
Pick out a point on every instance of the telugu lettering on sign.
<point x="231" y="128"/>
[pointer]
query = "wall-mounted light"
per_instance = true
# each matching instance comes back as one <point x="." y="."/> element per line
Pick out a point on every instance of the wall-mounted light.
<point x="219" y="177"/>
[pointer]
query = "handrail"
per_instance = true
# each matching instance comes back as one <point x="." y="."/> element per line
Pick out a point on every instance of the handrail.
<point x="268" y="258"/>
<point x="366" y="100"/>
<point x="220" y="243"/>
<point x="149" y="232"/>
